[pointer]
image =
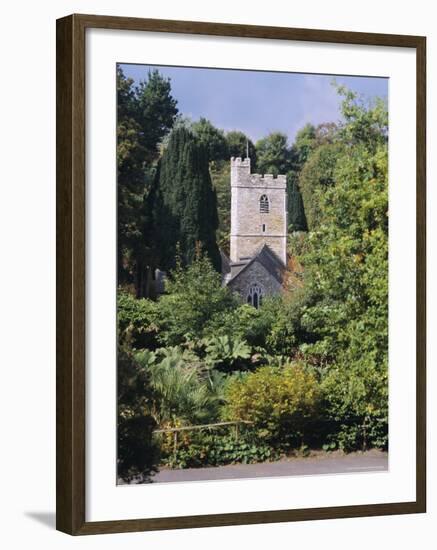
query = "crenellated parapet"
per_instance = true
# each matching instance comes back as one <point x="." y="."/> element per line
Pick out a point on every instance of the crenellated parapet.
<point x="268" y="180"/>
<point x="241" y="176"/>
<point x="238" y="162"/>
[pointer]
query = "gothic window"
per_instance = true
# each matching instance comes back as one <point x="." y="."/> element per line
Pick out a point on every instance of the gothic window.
<point x="264" y="204"/>
<point x="255" y="295"/>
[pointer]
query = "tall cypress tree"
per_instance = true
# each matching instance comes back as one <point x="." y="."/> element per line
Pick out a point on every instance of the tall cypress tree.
<point x="144" y="115"/>
<point x="185" y="213"/>
<point x="296" y="213"/>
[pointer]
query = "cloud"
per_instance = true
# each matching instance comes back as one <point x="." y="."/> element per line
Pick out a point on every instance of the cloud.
<point x="258" y="102"/>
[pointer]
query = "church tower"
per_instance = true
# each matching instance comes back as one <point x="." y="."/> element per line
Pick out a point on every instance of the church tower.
<point x="258" y="212"/>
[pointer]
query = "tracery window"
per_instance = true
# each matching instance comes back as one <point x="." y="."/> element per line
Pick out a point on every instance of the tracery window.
<point x="255" y="295"/>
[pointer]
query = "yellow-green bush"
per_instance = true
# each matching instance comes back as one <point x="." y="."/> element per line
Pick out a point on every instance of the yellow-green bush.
<point x="280" y="401"/>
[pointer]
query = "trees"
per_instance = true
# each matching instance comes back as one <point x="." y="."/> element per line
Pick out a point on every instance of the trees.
<point x="212" y="138"/>
<point x="193" y="296"/>
<point x="156" y="110"/>
<point x="185" y="209"/>
<point x="346" y="268"/>
<point x="145" y="115"/>
<point x="238" y="143"/>
<point x="137" y="455"/>
<point x="323" y="338"/>
<point x="272" y="154"/>
<point x="220" y="176"/>
<point x="296" y="214"/>
<point x="316" y="175"/>
<point x="310" y="154"/>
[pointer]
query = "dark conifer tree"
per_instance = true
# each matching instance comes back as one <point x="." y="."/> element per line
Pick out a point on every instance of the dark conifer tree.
<point x="185" y="211"/>
<point x="144" y="115"/>
<point x="296" y="212"/>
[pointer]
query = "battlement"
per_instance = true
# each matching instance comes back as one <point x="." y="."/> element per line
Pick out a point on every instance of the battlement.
<point x="268" y="180"/>
<point x="241" y="176"/>
<point x="238" y="161"/>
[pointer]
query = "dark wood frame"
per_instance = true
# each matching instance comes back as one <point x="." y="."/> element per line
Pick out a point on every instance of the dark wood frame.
<point x="70" y="301"/>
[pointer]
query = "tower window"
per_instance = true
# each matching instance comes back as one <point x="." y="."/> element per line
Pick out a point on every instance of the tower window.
<point x="264" y="204"/>
<point x="264" y="227"/>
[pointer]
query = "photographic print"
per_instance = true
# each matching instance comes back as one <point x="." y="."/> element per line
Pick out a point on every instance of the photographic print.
<point x="252" y="266"/>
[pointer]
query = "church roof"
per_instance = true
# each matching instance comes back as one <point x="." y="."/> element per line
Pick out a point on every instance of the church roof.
<point x="266" y="257"/>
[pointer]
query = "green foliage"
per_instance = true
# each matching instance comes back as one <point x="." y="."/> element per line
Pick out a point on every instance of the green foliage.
<point x="237" y="146"/>
<point x="346" y="270"/>
<point x="280" y="401"/>
<point x="218" y="448"/>
<point x="304" y="144"/>
<point x="182" y="391"/>
<point x="185" y="212"/>
<point x="137" y="320"/>
<point x="366" y="122"/>
<point x="309" y="367"/>
<point x="355" y="406"/>
<point x="288" y="333"/>
<point x="156" y="109"/>
<point x="244" y="322"/>
<point x="296" y="214"/>
<point x="273" y="156"/>
<point x="194" y="295"/>
<point x="212" y="138"/>
<point x="144" y="115"/>
<point x="137" y="454"/>
<point x="346" y="264"/>
<point x="225" y="352"/>
<point x="309" y="140"/>
<point x="316" y="176"/>
<point x="220" y="176"/>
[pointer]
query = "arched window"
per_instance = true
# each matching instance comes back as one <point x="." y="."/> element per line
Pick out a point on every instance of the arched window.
<point x="264" y="204"/>
<point x="255" y="295"/>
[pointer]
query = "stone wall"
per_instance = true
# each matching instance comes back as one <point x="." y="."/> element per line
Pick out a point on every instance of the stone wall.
<point x="255" y="273"/>
<point x="245" y="246"/>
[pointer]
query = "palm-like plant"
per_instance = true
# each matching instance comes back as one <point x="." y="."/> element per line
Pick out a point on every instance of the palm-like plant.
<point x="183" y="391"/>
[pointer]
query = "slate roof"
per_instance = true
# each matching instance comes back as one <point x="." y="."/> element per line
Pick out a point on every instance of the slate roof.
<point x="266" y="257"/>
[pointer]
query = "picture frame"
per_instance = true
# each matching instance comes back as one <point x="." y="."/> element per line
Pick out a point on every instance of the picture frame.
<point x="71" y="204"/>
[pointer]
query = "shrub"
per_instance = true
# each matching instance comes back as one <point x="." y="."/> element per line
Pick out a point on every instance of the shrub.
<point x="185" y="391"/>
<point x="226" y="353"/>
<point x="137" y="454"/>
<point x="193" y="296"/>
<point x="355" y="407"/>
<point x="137" y="320"/>
<point x="281" y="401"/>
<point x="245" y="322"/>
<point x="201" y="448"/>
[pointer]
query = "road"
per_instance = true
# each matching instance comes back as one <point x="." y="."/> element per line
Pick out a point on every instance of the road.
<point x="335" y="463"/>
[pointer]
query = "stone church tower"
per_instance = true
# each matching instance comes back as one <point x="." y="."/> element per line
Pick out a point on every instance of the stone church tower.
<point x="258" y="212"/>
<point x="258" y="233"/>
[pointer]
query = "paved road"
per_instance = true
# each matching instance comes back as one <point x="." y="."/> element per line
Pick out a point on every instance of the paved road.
<point x="371" y="461"/>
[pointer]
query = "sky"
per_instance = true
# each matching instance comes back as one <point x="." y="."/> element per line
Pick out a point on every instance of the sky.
<point x="258" y="102"/>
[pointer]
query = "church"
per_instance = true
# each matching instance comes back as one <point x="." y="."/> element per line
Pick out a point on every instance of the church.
<point x="258" y="247"/>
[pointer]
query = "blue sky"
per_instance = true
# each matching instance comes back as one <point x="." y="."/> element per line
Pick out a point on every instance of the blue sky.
<point x="258" y="102"/>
